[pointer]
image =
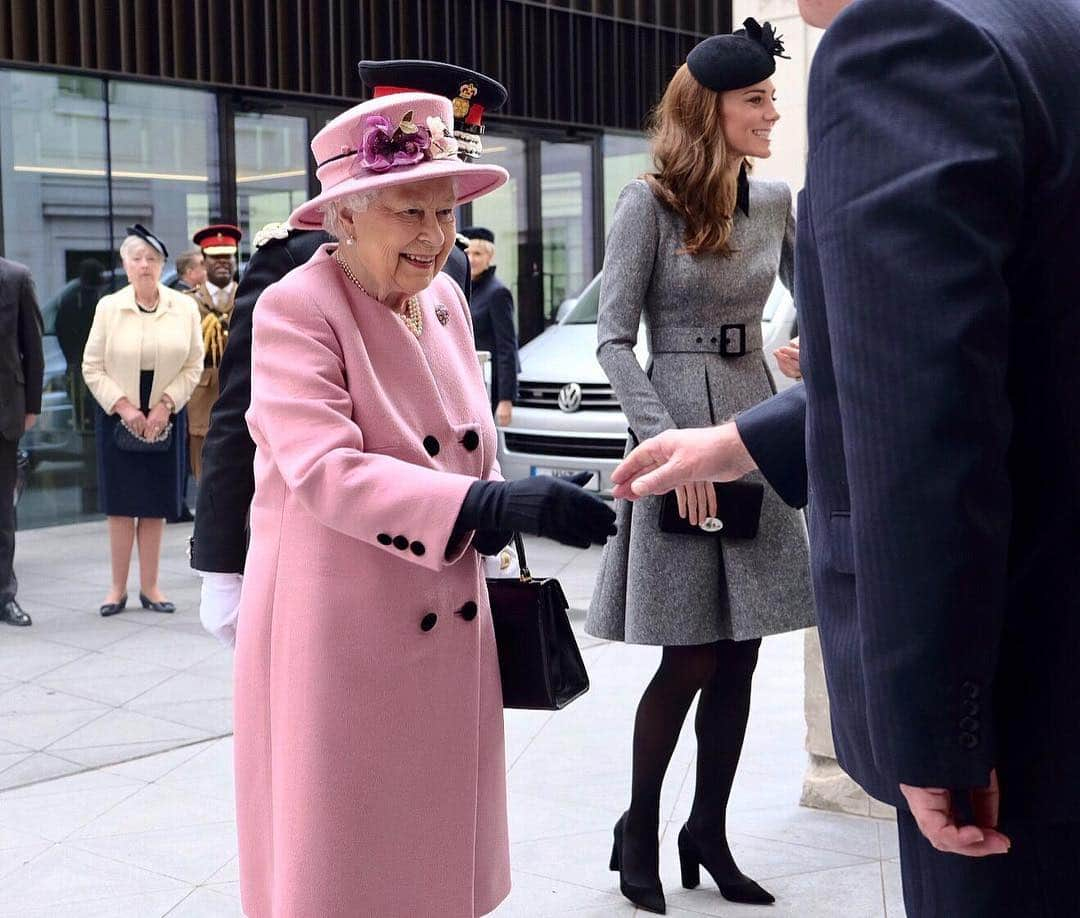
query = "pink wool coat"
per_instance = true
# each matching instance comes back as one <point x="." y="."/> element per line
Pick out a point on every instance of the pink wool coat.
<point x="370" y="776"/>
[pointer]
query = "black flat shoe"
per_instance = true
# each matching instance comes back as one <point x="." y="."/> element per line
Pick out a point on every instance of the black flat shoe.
<point x="113" y="608"/>
<point x="651" y="897"/>
<point x="12" y="613"/>
<point x="163" y="606"/>
<point x="691" y="860"/>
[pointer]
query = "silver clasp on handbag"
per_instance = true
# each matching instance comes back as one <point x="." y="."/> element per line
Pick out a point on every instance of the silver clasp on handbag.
<point x="711" y="524"/>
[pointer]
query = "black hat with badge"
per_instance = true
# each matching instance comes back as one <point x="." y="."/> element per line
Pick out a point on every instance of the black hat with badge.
<point x="748" y="56"/>
<point x="149" y="238"/>
<point x="472" y="93"/>
<point x="479" y="232"/>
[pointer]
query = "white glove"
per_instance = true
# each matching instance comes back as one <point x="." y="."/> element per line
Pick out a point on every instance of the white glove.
<point x="220" y="604"/>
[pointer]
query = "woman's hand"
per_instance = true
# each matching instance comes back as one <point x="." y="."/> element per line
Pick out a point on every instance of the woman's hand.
<point x="132" y="417"/>
<point x="157" y="420"/>
<point x="787" y="359"/>
<point x="697" y="501"/>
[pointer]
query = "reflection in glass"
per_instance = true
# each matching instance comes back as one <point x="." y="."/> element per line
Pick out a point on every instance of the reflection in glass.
<point x="567" y="218"/>
<point x="271" y="170"/>
<point x="56" y="222"/>
<point x="504" y="211"/>
<point x="164" y="142"/>
<point x="625" y="159"/>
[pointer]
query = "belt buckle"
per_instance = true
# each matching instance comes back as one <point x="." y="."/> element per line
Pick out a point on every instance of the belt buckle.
<point x="732" y="340"/>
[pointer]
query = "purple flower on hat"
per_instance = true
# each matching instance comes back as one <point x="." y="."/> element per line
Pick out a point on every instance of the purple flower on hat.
<point x="384" y="147"/>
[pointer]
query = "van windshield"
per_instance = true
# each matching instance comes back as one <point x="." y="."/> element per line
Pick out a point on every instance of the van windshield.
<point x="587" y="306"/>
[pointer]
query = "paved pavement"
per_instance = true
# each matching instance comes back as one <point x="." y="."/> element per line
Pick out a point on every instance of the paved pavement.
<point x="116" y="796"/>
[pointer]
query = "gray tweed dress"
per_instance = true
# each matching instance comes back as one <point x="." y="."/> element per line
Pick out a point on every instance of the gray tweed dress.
<point x="670" y="589"/>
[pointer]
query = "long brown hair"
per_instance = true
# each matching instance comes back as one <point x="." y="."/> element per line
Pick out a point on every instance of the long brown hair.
<point x="693" y="164"/>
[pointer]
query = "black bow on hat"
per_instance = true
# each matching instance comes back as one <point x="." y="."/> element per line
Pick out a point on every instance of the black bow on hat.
<point x="748" y="56"/>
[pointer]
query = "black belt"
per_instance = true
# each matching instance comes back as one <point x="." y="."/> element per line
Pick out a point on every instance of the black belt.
<point x="727" y="341"/>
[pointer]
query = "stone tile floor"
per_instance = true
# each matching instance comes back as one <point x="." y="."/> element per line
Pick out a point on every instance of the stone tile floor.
<point x="116" y="796"/>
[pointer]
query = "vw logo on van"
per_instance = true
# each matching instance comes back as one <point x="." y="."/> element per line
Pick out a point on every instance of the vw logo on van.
<point x="570" y="397"/>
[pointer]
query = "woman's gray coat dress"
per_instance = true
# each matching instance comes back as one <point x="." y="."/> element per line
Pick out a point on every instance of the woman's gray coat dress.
<point x="700" y="312"/>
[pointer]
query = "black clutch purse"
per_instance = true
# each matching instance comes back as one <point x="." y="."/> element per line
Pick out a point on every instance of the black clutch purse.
<point x="539" y="660"/>
<point x="130" y="442"/>
<point x="738" y="512"/>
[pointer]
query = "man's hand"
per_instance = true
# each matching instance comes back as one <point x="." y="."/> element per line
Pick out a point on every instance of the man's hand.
<point x="29" y="421"/>
<point x="678" y="457"/>
<point x="503" y="412"/>
<point x="787" y="359"/>
<point x="219" y="607"/>
<point x="932" y="808"/>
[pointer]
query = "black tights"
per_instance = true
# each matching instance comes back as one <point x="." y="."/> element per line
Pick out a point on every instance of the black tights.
<point x="723" y="673"/>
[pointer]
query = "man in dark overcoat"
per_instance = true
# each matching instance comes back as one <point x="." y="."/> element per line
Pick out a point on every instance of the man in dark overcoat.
<point x="219" y="543"/>
<point x="22" y="370"/>
<point x="939" y="310"/>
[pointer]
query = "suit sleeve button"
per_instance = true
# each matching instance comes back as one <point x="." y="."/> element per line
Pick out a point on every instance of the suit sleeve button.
<point x="384" y="539"/>
<point x="968" y="740"/>
<point x="471" y="440"/>
<point x="970" y="690"/>
<point x="971" y="708"/>
<point x="468" y="611"/>
<point x="417" y="548"/>
<point x="431" y="445"/>
<point x="428" y="621"/>
<point x="401" y="543"/>
<point x="969" y="724"/>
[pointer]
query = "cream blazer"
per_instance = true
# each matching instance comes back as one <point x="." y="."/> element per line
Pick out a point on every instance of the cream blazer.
<point x="113" y="350"/>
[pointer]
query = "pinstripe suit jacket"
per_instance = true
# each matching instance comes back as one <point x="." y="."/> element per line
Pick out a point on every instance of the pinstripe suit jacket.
<point x="938" y="239"/>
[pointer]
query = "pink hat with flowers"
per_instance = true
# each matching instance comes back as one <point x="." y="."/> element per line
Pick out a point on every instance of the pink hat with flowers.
<point x="393" y="140"/>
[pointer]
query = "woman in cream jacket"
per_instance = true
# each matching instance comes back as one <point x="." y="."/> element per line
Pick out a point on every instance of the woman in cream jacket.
<point x="142" y="362"/>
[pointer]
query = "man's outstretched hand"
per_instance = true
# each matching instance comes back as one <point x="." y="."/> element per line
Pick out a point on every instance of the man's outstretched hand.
<point x="933" y="809"/>
<point x="677" y="457"/>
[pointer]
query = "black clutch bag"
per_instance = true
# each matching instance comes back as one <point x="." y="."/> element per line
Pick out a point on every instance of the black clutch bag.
<point x="738" y="512"/>
<point x="131" y="442"/>
<point x="539" y="660"/>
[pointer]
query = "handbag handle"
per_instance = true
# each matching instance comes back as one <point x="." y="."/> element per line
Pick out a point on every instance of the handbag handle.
<point x="523" y="564"/>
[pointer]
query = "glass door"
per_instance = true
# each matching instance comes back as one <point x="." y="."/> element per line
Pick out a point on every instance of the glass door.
<point x="272" y="161"/>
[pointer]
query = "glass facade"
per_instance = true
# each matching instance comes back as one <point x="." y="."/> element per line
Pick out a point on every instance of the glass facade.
<point x="83" y="157"/>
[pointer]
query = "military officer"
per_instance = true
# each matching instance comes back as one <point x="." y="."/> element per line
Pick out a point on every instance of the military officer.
<point x="216" y="297"/>
<point x="219" y="543"/>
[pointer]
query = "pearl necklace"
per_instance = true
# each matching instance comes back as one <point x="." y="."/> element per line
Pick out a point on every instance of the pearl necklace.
<point x="412" y="315"/>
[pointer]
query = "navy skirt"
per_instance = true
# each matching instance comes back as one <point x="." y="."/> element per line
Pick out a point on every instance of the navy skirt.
<point x="141" y="484"/>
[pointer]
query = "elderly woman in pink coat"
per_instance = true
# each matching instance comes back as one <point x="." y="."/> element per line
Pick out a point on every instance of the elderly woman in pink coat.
<point x="369" y="740"/>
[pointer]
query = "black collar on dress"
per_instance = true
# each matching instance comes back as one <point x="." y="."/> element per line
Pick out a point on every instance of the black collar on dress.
<point x="742" y="194"/>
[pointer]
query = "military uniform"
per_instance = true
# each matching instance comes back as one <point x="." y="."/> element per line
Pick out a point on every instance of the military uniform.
<point x="215" y="311"/>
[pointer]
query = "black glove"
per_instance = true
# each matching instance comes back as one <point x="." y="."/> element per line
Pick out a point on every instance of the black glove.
<point x="552" y="507"/>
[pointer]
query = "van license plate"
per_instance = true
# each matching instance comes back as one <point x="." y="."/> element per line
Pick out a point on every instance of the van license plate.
<point x="593" y="484"/>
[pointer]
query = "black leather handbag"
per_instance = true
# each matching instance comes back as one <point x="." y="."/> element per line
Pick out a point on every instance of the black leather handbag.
<point x="131" y="442"/>
<point x="539" y="660"/>
<point x="738" y="512"/>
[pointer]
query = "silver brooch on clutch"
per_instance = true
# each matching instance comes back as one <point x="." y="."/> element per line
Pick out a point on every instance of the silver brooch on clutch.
<point x="442" y="314"/>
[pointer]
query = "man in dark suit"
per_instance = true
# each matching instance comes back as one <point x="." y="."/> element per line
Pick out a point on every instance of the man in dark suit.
<point x="939" y="312"/>
<point x="22" y="368"/>
<point x="492" y="307"/>
<point x="219" y="543"/>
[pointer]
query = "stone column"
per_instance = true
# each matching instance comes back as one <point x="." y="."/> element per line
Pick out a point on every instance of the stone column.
<point x="825" y="785"/>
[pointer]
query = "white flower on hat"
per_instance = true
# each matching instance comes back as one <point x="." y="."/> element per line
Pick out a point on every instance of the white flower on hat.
<point x="443" y="143"/>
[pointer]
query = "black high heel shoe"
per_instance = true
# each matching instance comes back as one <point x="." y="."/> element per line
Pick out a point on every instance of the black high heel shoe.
<point x="691" y="860"/>
<point x="113" y="608"/>
<point x="163" y="606"/>
<point x="649" y="898"/>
